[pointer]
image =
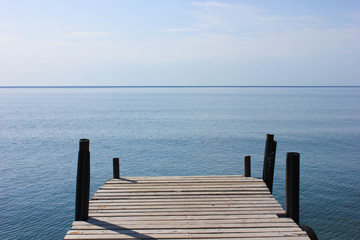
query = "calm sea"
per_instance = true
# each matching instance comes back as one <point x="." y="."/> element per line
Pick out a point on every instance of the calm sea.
<point x="176" y="131"/>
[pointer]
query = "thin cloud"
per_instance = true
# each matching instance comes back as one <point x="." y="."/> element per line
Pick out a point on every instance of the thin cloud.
<point x="354" y="15"/>
<point x="90" y="34"/>
<point x="243" y="19"/>
<point x="210" y="4"/>
<point x="47" y="22"/>
<point x="271" y="19"/>
<point x="66" y="29"/>
<point x="182" y="29"/>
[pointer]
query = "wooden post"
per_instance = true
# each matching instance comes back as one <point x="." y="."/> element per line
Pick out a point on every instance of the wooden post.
<point x="247" y="166"/>
<point x="83" y="182"/>
<point x="292" y="185"/>
<point x="269" y="161"/>
<point x="116" y="168"/>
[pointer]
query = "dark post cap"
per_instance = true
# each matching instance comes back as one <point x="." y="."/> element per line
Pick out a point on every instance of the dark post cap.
<point x="293" y="155"/>
<point x="270" y="137"/>
<point x="84" y="144"/>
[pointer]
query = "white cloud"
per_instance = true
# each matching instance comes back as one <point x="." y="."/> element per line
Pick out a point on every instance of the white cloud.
<point x="243" y="19"/>
<point x="238" y="17"/>
<point x="211" y="4"/>
<point x="181" y="29"/>
<point x="272" y="18"/>
<point x="354" y="15"/>
<point x="66" y="29"/>
<point x="90" y="34"/>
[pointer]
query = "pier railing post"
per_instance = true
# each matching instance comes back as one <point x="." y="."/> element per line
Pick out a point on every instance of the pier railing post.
<point x="269" y="161"/>
<point x="247" y="166"/>
<point x="116" y="168"/>
<point x="83" y="182"/>
<point x="292" y="185"/>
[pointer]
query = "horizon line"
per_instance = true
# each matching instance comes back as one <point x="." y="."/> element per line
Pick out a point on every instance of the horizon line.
<point x="194" y="86"/>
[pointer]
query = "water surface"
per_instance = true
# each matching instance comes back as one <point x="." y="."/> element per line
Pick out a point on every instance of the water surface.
<point x="175" y="131"/>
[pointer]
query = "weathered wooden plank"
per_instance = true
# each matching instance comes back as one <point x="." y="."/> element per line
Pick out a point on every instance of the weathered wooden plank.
<point x="183" y="212"/>
<point x="110" y="237"/>
<point x="187" y="189"/>
<point x="225" y="197"/>
<point x="136" y="235"/>
<point x="99" y="230"/>
<point x="181" y="207"/>
<point x="120" y="214"/>
<point x="185" y="180"/>
<point x="149" y="178"/>
<point x="125" y="235"/>
<point x="195" y="200"/>
<point x="185" y="184"/>
<point x="261" y="193"/>
<point x="179" y="204"/>
<point x="186" y="210"/>
<point x="102" y="223"/>
<point x="183" y="192"/>
<point x="178" y="186"/>
<point x="253" y="217"/>
<point x="136" y="179"/>
<point x="185" y="219"/>
<point x="182" y="176"/>
<point x="219" y="181"/>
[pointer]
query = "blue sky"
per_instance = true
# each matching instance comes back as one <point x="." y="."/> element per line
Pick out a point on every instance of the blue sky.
<point x="170" y="42"/>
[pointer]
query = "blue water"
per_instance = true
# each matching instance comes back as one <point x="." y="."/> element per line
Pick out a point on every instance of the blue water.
<point x="176" y="131"/>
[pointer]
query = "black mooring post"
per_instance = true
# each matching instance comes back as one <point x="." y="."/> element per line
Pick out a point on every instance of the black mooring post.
<point x="83" y="182"/>
<point x="116" y="168"/>
<point x="269" y="161"/>
<point x="247" y="166"/>
<point x="292" y="185"/>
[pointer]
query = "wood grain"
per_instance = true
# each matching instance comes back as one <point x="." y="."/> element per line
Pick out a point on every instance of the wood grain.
<point x="185" y="207"/>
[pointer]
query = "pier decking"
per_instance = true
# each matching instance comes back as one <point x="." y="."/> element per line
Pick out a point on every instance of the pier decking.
<point x="185" y="207"/>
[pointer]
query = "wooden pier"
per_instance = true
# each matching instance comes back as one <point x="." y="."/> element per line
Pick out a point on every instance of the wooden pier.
<point x="188" y="207"/>
<point x="197" y="207"/>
